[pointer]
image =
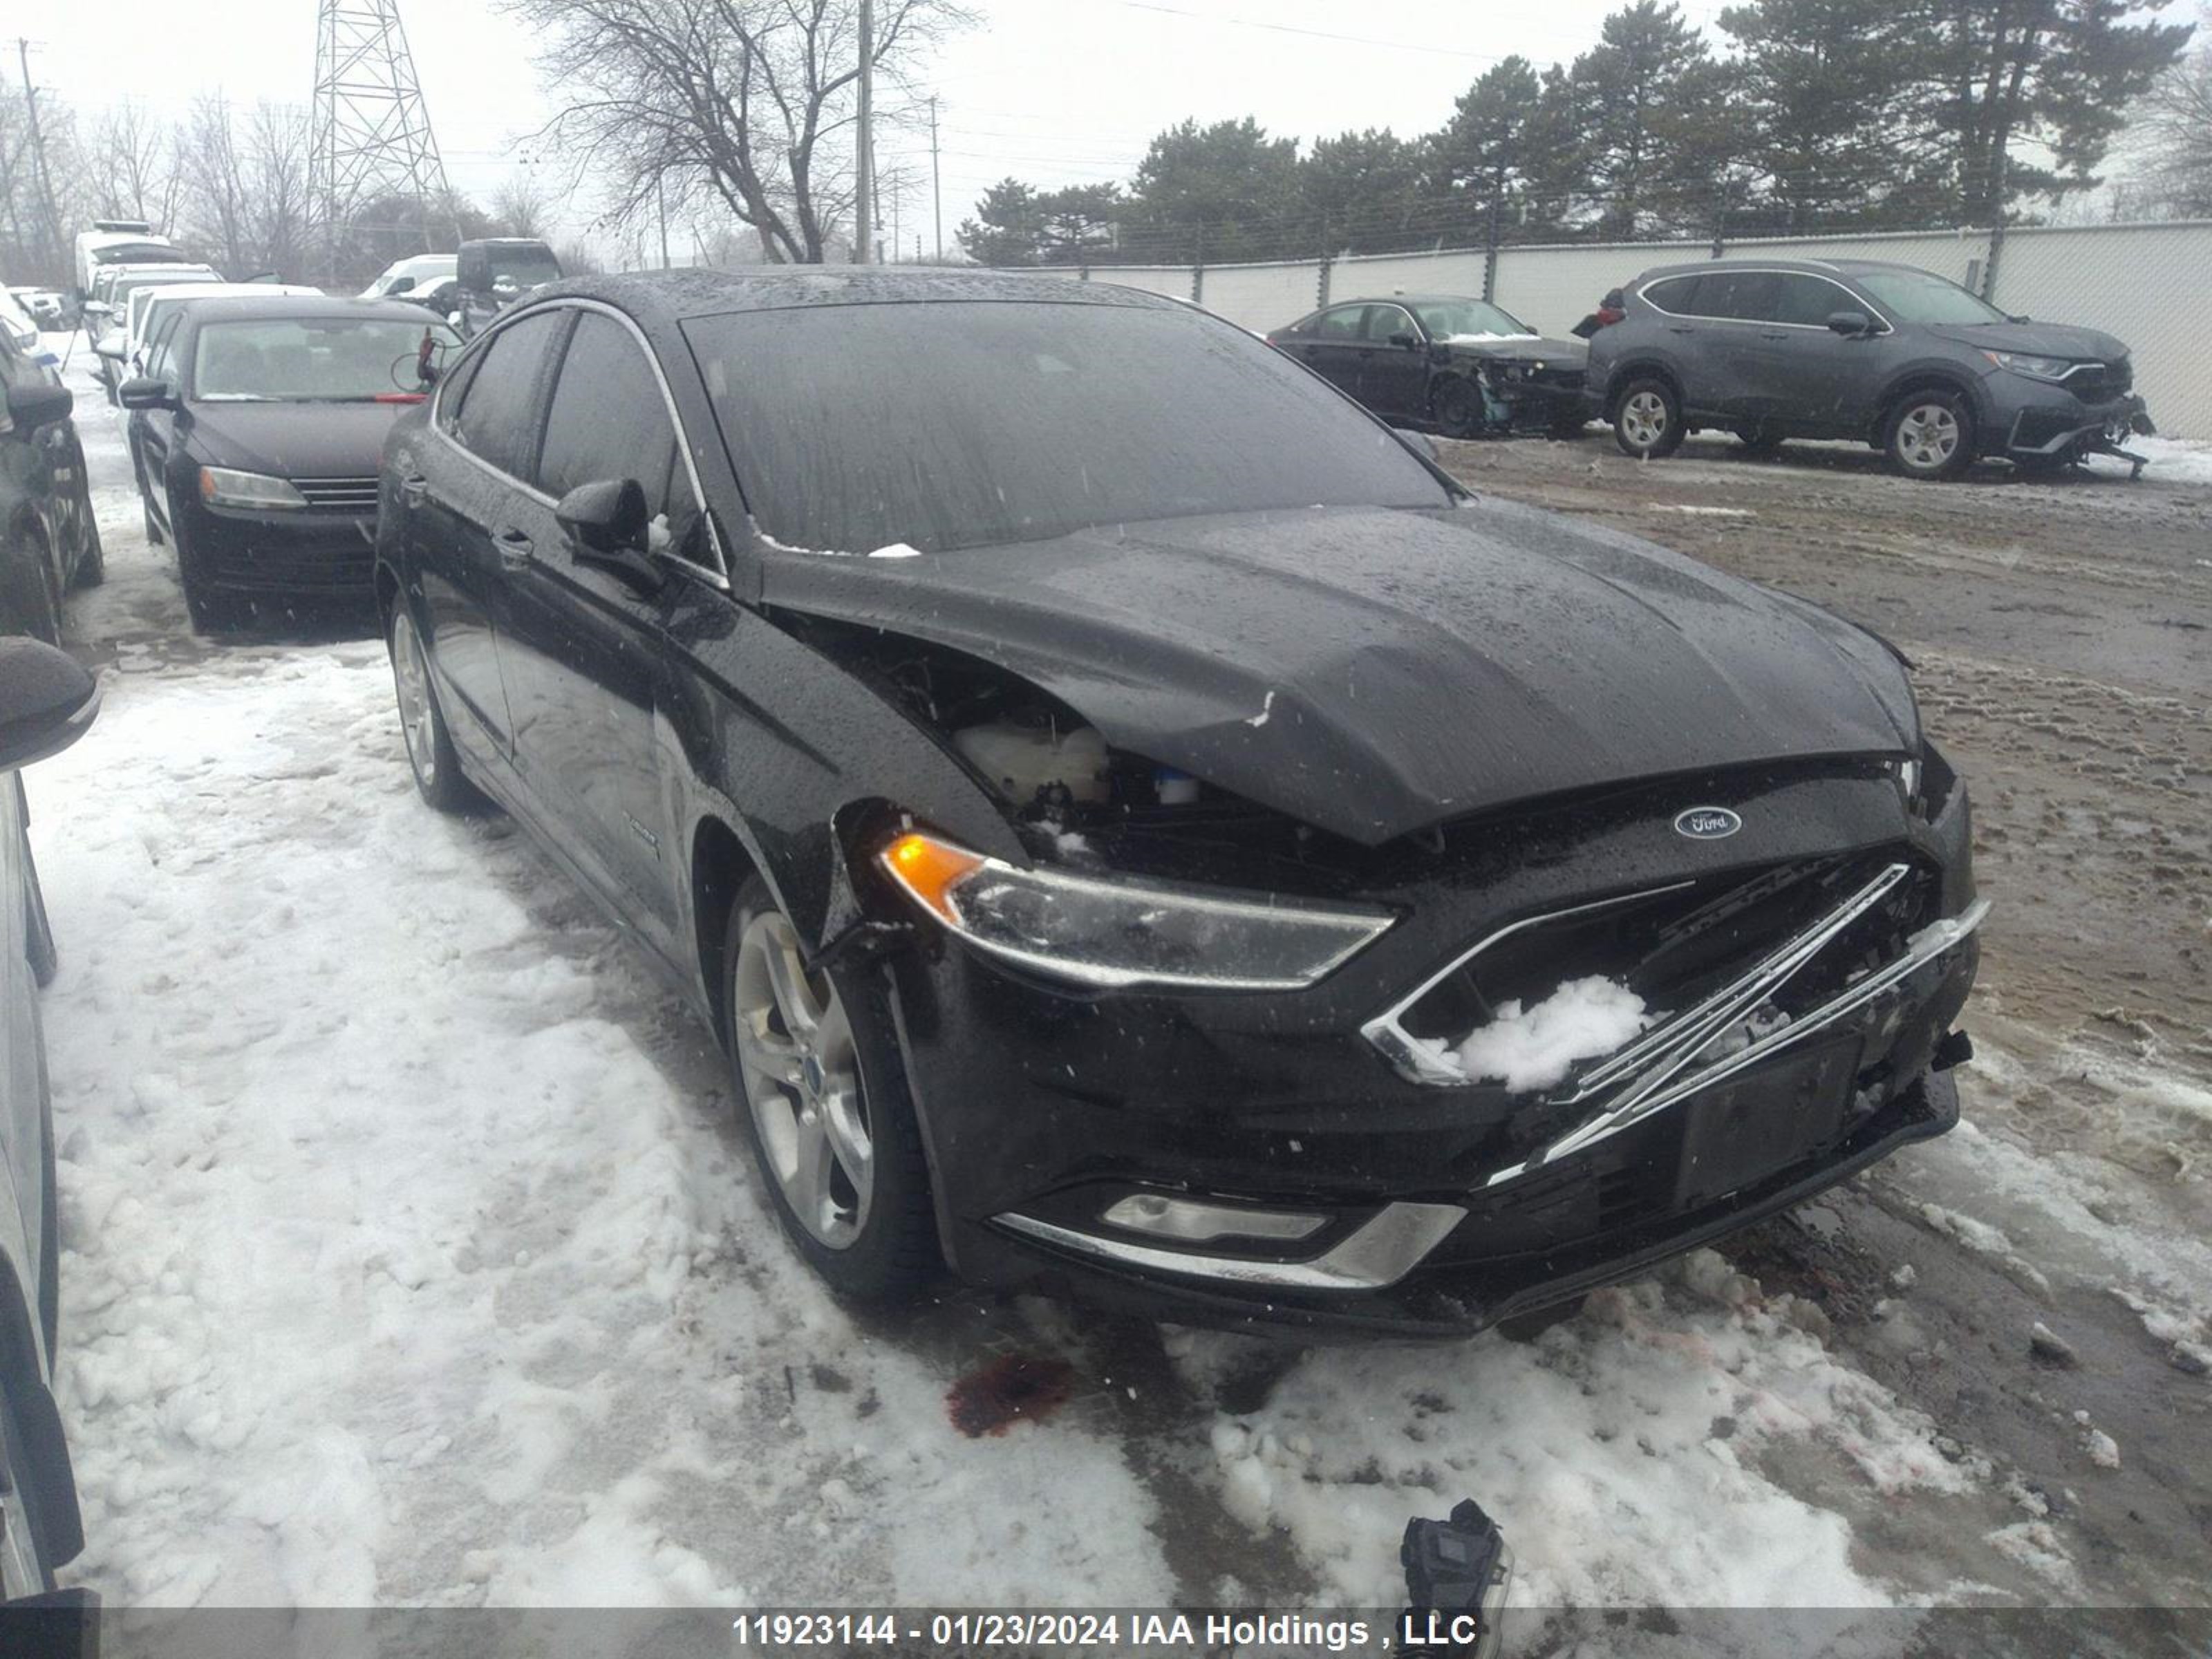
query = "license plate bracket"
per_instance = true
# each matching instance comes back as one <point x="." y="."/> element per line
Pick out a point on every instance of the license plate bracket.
<point x="1764" y="1120"/>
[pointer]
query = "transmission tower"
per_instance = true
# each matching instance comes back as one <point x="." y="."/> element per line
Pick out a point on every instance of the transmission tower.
<point x="372" y="135"/>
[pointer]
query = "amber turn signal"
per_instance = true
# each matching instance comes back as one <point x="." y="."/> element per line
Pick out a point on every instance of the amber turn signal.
<point x="928" y="869"/>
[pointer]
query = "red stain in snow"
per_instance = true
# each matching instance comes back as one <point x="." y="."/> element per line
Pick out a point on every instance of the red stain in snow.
<point x="993" y="1399"/>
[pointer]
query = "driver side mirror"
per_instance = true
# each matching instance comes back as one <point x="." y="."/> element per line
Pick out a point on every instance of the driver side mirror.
<point x="39" y="404"/>
<point x="111" y="348"/>
<point x="97" y="308"/>
<point x="1850" y="323"/>
<point x="609" y="525"/>
<point x="1405" y="342"/>
<point x="48" y="698"/>
<point x="145" y="393"/>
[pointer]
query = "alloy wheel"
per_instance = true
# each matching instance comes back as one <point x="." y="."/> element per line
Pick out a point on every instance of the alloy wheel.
<point x="1927" y="437"/>
<point x="411" y="675"/>
<point x="1644" y="417"/>
<point x="801" y="1072"/>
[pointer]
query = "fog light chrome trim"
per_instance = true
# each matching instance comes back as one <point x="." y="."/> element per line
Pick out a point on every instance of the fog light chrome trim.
<point x="1385" y="1249"/>
<point x="1194" y="1221"/>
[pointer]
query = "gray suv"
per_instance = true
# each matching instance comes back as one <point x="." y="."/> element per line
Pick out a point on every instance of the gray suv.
<point x="1914" y="365"/>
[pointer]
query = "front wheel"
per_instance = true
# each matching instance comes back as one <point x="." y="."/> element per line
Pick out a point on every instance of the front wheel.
<point x="1647" y="422"/>
<point x="1457" y="407"/>
<point x="1930" y="435"/>
<point x="818" y="1070"/>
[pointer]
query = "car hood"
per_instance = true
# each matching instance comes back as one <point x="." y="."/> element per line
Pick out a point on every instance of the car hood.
<point x="2037" y="339"/>
<point x="1374" y="672"/>
<point x="1555" y="353"/>
<point x="294" y="440"/>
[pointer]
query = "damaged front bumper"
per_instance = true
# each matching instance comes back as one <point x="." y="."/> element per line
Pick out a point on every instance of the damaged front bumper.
<point x="1299" y="1160"/>
<point x="2060" y="427"/>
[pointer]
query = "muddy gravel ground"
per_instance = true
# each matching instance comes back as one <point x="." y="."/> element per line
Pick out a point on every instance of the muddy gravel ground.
<point x="2062" y="635"/>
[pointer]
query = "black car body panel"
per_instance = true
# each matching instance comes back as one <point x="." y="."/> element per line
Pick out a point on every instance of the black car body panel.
<point x="1801" y="378"/>
<point x="1373" y="672"/>
<point x="49" y="540"/>
<point x="1481" y="721"/>
<point x="1396" y="357"/>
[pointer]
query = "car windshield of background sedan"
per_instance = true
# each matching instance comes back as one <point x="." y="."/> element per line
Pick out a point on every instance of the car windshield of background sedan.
<point x="310" y="359"/>
<point x="946" y="425"/>
<point x="1470" y="320"/>
<point x="1915" y="296"/>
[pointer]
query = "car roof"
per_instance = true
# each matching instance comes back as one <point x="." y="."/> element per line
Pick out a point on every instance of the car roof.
<point x="244" y="307"/>
<point x="1811" y="267"/>
<point x="666" y="297"/>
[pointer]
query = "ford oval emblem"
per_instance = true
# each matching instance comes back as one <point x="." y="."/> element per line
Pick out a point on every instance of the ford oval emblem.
<point x="1707" y="824"/>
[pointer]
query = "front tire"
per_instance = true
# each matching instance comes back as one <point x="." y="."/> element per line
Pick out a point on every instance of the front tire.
<point x="1930" y="435"/>
<point x="1647" y="420"/>
<point x="817" y="1072"/>
<point x="430" y="754"/>
<point x="1457" y="407"/>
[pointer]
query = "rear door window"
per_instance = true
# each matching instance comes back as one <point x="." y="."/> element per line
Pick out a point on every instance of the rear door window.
<point x="1744" y="296"/>
<point x="502" y="409"/>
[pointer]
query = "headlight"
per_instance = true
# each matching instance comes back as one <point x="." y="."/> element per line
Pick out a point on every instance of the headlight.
<point x="1103" y="932"/>
<point x="2036" y="368"/>
<point x="221" y="487"/>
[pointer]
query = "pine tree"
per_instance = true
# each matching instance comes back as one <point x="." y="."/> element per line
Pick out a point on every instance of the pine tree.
<point x="1008" y="228"/>
<point x="1648" y="123"/>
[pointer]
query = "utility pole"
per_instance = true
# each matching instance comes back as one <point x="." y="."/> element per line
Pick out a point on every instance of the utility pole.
<point x="660" y="206"/>
<point x="51" y="225"/>
<point x="936" y="184"/>
<point x="863" y="225"/>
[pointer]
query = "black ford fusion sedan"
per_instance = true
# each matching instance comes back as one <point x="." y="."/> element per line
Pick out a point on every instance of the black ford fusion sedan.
<point x="255" y="433"/>
<point x="1142" y="832"/>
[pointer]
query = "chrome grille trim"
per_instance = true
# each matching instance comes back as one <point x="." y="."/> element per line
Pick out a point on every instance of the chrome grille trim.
<point x="1931" y="942"/>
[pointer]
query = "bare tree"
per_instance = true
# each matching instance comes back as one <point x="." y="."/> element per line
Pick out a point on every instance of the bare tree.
<point x="132" y="165"/>
<point x="2173" y="134"/>
<point x="215" y="210"/>
<point x="521" y="205"/>
<point x="744" y="105"/>
<point x="279" y="199"/>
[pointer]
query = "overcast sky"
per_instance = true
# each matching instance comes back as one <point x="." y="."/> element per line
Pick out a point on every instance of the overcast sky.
<point x="1052" y="91"/>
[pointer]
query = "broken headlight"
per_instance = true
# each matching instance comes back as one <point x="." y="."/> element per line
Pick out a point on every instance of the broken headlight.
<point x="1105" y="932"/>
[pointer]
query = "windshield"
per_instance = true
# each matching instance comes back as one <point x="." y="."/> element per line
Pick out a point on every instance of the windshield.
<point x="947" y="425"/>
<point x="525" y="268"/>
<point x="1447" y="320"/>
<point x="1917" y="296"/>
<point x="310" y="359"/>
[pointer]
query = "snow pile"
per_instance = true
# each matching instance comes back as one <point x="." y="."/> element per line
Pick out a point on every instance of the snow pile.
<point x="1628" y="1453"/>
<point x="2174" y="460"/>
<point x="1536" y="1046"/>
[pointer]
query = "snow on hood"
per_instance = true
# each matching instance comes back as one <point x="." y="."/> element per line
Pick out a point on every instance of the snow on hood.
<point x="1483" y="337"/>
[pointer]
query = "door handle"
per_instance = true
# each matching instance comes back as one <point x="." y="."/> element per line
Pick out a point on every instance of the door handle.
<point x="1774" y="334"/>
<point x="515" y="549"/>
<point x="1679" y="328"/>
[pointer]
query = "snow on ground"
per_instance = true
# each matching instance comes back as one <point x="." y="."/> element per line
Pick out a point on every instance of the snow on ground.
<point x="2176" y="460"/>
<point x="409" y="1256"/>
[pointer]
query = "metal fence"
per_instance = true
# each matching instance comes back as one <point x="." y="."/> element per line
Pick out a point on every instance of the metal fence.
<point x="2144" y="282"/>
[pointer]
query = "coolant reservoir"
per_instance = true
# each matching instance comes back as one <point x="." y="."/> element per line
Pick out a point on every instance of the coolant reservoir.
<point x="1022" y="759"/>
